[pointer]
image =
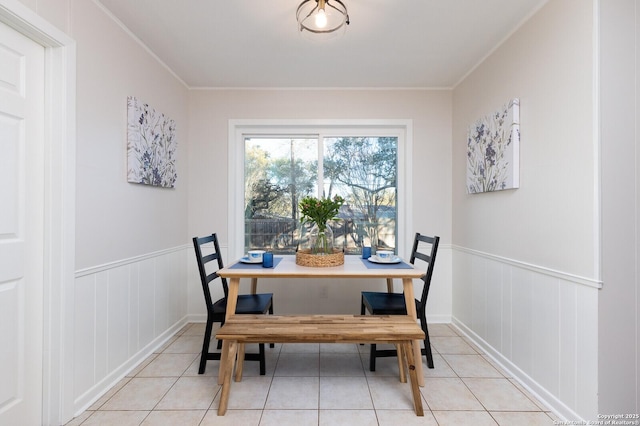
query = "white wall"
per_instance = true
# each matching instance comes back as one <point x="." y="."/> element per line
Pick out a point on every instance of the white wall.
<point x="131" y="240"/>
<point x="526" y="261"/>
<point x="430" y="111"/>
<point x="619" y="302"/>
<point x="130" y="292"/>
<point x="123" y="312"/>
<point x="54" y="11"/>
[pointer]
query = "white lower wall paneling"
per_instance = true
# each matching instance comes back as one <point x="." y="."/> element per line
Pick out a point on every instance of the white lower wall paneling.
<point x="539" y="324"/>
<point x="123" y="312"/>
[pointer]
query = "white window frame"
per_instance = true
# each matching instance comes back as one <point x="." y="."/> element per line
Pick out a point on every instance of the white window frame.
<point x="238" y="129"/>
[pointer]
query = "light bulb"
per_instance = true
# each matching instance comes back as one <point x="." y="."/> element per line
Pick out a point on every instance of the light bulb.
<point x="321" y="19"/>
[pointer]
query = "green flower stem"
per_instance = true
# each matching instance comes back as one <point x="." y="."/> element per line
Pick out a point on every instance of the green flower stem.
<point x="318" y="212"/>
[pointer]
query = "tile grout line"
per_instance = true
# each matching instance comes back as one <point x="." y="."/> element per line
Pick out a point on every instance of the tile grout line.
<point x="361" y="356"/>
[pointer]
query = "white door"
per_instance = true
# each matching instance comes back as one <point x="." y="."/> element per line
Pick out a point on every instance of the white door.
<point x="21" y="228"/>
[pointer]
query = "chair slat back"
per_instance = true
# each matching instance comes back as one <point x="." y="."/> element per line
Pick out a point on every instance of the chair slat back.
<point x="430" y="259"/>
<point x="207" y="269"/>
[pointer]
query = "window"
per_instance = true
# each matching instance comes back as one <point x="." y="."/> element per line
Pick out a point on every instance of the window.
<point x="279" y="172"/>
<point x="277" y="165"/>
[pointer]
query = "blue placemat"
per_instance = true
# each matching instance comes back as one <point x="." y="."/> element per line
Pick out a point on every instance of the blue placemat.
<point x="372" y="265"/>
<point x="241" y="265"/>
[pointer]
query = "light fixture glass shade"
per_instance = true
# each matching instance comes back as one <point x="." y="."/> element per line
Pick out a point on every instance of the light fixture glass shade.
<point x="322" y="16"/>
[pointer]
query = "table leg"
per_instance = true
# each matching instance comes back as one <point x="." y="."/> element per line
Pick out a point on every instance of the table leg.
<point x="409" y="298"/>
<point x="389" y="285"/>
<point x="232" y="302"/>
<point x="254" y="285"/>
<point x="232" y="299"/>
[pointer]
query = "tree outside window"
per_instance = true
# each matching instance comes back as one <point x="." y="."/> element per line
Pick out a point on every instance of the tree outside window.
<point x="281" y="171"/>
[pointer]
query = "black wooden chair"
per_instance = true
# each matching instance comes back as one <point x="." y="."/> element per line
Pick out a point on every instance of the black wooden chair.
<point x="209" y="265"/>
<point x="394" y="304"/>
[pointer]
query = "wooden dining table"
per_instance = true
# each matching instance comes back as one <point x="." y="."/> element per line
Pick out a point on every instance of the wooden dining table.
<point x="353" y="267"/>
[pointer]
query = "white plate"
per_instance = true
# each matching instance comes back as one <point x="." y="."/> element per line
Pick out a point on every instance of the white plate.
<point x="247" y="260"/>
<point x="376" y="259"/>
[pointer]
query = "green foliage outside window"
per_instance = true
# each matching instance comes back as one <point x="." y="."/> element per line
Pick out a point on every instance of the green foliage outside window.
<point x="281" y="172"/>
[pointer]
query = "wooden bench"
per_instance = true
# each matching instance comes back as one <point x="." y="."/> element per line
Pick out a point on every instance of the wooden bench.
<point x="240" y="329"/>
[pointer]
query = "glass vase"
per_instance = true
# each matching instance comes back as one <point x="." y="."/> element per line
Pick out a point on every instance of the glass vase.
<point x="321" y="240"/>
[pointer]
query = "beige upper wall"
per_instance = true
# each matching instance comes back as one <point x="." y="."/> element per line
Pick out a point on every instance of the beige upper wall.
<point x="551" y="220"/>
<point x="430" y="113"/>
<point x="115" y="219"/>
<point x="211" y="111"/>
<point x="543" y="61"/>
<point x="54" y="11"/>
<point x="135" y="220"/>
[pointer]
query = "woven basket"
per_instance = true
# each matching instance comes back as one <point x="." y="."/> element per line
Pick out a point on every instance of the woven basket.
<point x="305" y="258"/>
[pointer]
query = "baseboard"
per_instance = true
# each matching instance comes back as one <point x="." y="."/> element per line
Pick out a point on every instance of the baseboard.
<point x="87" y="399"/>
<point x="438" y="319"/>
<point x="542" y="394"/>
<point x="196" y="318"/>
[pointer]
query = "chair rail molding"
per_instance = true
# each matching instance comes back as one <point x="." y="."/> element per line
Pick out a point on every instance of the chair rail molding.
<point x="122" y="262"/>
<point x="589" y="282"/>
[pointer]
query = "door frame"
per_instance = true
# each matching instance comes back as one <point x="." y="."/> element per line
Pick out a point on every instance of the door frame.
<point x="59" y="202"/>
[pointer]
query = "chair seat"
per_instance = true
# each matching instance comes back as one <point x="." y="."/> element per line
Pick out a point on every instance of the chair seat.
<point x="247" y="304"/>
<point x="385" y="303"/>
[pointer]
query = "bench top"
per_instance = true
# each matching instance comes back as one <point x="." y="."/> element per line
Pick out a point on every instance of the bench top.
<point x="320" y="329"/>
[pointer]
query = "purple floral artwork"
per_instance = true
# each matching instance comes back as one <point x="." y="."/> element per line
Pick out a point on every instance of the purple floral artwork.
<point x="151" y="146"/>
<point x="493" y="151"/>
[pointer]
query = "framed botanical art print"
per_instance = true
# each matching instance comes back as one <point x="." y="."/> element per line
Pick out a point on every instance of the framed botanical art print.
<point x="151" y="146"/>
<point x="493" y="151"/>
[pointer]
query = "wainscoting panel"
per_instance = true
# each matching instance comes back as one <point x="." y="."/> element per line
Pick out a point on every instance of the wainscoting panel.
<point x="123" y="312"/>
<point x="539" y="324"/>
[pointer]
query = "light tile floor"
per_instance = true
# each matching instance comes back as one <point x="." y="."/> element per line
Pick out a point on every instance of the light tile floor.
<point x="311" y="384"/>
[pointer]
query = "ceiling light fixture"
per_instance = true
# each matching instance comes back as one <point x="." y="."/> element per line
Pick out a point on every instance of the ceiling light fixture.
<point x="322" y="16"/>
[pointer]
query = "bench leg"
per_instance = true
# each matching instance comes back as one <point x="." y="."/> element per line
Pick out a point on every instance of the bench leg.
<point x="417" y="355"/>
<point x="228" y="370"/>
<point x="401" y="363"/>
<point x="224" y="358"/>
<point x="240" y="362"/>
<point x="413" y="376"/>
